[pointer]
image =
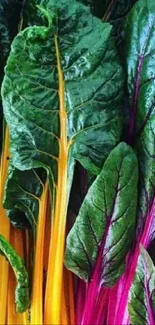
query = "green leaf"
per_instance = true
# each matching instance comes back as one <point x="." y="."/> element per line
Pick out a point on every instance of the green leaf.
<point x="31" y="99"/>
<point x="17" y="263"/>
<point x="22" y="193"/>
<point x="105" y="223"/>
<point x="140" y="65"/>
<point x="9" y="20"/>
<point x="142" y="293"/>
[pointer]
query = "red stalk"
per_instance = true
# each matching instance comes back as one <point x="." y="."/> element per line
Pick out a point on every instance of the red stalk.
<point x="80" y="300"/>
<point x="145" y="239"/>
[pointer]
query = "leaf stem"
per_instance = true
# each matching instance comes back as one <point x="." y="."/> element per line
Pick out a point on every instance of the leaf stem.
<point x="108" y="11"/>
<point x="56" y="252"/>
<point x="37" y="289"/>
<point x="4" y="228"/>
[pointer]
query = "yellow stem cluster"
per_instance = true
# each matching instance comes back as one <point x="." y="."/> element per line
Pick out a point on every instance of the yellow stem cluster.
<point x="52" y="300"/>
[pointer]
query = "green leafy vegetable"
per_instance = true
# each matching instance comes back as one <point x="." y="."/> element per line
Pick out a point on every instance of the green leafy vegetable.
<point x="139" y="53"/>
<point x="142" y="292"/>
<point x="106" y="220"/>
<point x="62" y="101"/>
<point x="22" y="193"/>
<point x="22" y="289"/>
<point x="93" y="115"/>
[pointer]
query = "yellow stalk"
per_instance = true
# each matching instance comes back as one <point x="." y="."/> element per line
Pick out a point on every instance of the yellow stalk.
<point x="37" y="289"/>
<point x="4" y="229"/>
<point x="48" y="233"/>
<point x="14" y="318"/>
<point x="27" y="249"/>
<point x="56" y="252"/>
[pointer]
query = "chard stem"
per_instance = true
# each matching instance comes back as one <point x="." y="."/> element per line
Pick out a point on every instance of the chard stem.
<point x="53" y="292"/>
<point x="64" y="312"/>
<point x="37" y="289"/>
<point x="4" y="228"/>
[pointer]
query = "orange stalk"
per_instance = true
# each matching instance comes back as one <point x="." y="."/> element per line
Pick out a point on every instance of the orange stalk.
<point x="69" y="296"/>
<point x="56" y="253"/>
<point x="64" y="309"/>
<point x="48" y="226"/>
<point x="4" y="228"/>
<point x="37" y="289"/>
<point x="14" y="318"/>
<point x="27" y="249"/>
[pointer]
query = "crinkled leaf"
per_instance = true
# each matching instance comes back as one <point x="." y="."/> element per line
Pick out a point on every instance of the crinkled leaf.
<point x="106" y="219"/>
<point x="10" y="11"/>
<point x="140" y="66"/>
<point x="84" y="49"/>
<point x="142" y="292"/>
<point x="22" y="193"/>
<point x="22" y="299"/>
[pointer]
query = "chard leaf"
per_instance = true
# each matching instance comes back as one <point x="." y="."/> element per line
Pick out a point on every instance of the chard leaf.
<point x="106" y="220"/>
<point x="22" y="193"/>
<point x="62" y="100"/>
<point x="140" y="65"/>
<point x="10" y="11"/>
<point x="31" y="100"/>
<point x="17" y="263"/>
<point x="142" y="292"/>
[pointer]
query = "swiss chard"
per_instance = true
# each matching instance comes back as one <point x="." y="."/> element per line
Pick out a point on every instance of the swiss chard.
<point x="21" y="199"/>
<point x="51" y="121"/>
<point x="142" y="292"/>
<point x="101" y="236"/>
<point x="22" y="289"/>
<point x="140" y="78"/>
<point x="63" y="96"/>
<point x="139" y="54"/>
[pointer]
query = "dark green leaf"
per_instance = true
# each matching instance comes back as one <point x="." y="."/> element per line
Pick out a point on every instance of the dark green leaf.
<point x="22" y="289"/>
<point x="22" y="193"/>
<point x="140" y="66"/>
<point x="142" y="292"/>
<point x="106" y="219"/>
<point x="10" y="11"/>
<point x="31" y="98"/>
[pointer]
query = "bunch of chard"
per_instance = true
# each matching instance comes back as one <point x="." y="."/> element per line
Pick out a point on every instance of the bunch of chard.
<point x="77" y="191"/>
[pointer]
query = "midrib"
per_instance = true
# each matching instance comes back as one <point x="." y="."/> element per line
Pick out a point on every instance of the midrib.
<point x="56" y="253"/>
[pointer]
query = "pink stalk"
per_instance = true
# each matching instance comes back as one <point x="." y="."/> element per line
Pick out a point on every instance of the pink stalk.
<point x="92" y="294"/>
<point x="101" y="307"/>
<point x="115" y="294"/>
<point x="122" y="312"/>
<point x="94" y="286"/>
<point x="149" y="308"/>
<point x="80" y="300"/>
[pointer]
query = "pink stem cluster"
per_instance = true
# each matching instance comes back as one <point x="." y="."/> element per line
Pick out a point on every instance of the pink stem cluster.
<point x="103" y="305"/>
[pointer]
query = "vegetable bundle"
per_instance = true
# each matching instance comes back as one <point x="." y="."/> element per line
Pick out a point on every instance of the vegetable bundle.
<point x="77" y="199"/>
